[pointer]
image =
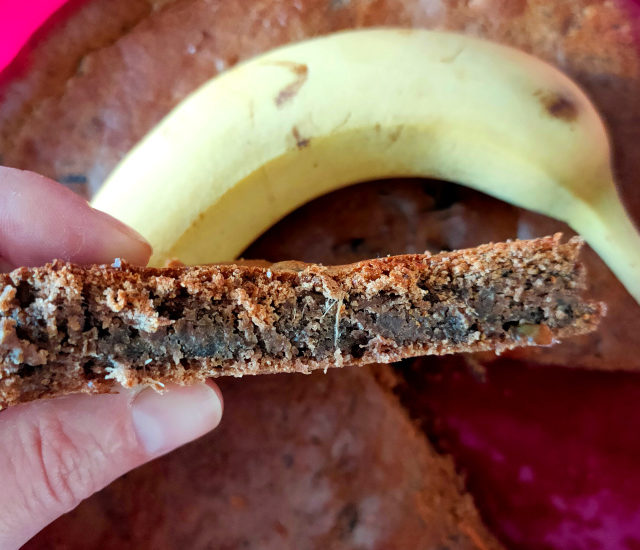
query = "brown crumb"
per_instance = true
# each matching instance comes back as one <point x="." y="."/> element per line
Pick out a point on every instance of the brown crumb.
<point x="66" y="328"/>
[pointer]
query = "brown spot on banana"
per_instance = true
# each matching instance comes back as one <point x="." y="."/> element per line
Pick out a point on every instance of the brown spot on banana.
<point x="557" y="105"/>
<point x="395" y="133"/>
<point x="452" y="57"/>
<point x="301" y="72"/>
<point x="301" y="142"/>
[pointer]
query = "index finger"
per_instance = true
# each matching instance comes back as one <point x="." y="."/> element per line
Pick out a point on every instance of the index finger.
<point x="41" y="220"/>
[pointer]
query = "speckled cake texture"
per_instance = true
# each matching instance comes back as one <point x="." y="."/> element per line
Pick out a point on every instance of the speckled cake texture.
<point x="66" y="328"/>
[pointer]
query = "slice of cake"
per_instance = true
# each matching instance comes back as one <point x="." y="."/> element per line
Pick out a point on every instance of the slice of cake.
<point x="66" y="328"/>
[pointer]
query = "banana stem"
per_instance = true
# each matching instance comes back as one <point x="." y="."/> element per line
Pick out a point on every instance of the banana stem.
<point x="612" y="234"/>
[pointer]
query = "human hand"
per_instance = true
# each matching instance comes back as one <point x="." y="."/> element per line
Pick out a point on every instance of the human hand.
<point x="55" y="453"/>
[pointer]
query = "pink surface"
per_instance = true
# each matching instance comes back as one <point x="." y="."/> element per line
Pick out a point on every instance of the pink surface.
<point x="551" y="454"/>
<point x="18" y="20"/>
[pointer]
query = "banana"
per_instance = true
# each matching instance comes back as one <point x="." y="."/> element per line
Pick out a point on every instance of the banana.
<point x="259" y="140"/>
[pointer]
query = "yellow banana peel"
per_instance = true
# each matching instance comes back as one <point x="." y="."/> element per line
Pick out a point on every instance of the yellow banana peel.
<point x="261" y="139"/>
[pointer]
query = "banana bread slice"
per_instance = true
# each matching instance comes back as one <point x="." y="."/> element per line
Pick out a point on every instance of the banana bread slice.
<point x="66" y="328"/>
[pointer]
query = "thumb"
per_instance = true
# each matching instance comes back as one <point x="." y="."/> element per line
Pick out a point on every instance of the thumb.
<point x="56" y="453"/>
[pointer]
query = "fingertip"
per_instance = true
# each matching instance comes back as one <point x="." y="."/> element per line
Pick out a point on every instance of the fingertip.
<point x="41" y="220"/>
<point x="5" y="266"/>
<point x="216" y="389"/>
<point x="178" y="415"/>
<point x="119" y="240"/>
<point x="106" y="435"/>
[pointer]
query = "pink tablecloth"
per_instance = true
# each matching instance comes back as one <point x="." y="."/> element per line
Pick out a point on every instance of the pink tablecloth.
<point x="18" y="20"/>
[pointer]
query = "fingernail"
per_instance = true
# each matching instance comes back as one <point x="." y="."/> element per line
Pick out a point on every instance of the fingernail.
<point x="183" y="413"/>
<point x="131" y="246"/>
<point x="123" y="228"/>
<point x="130" y="232"/>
